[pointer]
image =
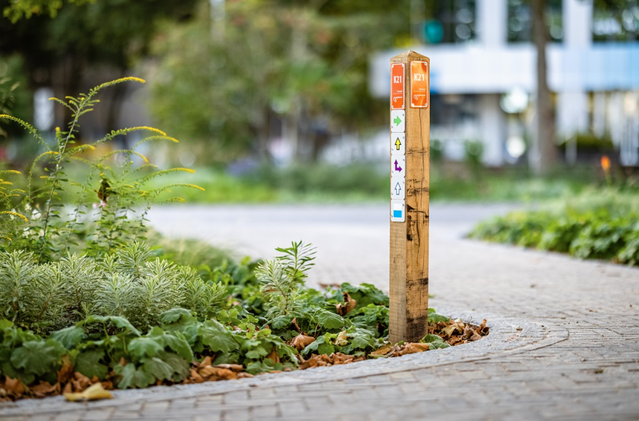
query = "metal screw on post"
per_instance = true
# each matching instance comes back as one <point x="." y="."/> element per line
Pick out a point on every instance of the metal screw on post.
<point x="409" y="189"/>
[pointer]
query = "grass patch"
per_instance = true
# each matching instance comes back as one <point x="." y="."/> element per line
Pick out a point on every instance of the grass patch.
<point x="370" y="183"/>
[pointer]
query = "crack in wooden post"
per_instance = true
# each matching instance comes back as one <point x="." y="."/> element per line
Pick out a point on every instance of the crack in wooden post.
<point x="409" y="238"/>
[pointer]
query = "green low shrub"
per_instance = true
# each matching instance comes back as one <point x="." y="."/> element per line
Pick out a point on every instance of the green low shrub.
<point x="48" y="213"/>
<point x="606" y="227"/>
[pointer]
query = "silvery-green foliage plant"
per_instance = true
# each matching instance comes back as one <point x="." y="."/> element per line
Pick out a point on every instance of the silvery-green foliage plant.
<point x="131" y="283"/>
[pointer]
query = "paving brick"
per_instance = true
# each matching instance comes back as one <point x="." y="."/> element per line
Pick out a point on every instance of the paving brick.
<point x="156" y="406"/>
<point x="44" y="417"/>
<point x="209" y="416"/>
<point x="67" y="416"/>
<point x="236" y="415"/>
<point x="239" y="396"/>
<point x="269" y="410"/>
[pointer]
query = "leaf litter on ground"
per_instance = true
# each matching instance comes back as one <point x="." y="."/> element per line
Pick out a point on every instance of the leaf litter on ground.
<point x="77" y="387"/>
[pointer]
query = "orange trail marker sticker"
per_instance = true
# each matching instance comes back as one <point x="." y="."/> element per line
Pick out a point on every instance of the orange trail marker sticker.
<point x="397" y="86"/>
<point x="419" y="89"/>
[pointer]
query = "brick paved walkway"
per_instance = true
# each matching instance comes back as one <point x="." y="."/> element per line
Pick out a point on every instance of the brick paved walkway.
<point x="564" y="343"/>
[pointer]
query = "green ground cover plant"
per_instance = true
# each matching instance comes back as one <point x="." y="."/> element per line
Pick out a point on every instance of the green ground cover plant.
<point x="259" y="318"/>
<point x="598" y="224"/>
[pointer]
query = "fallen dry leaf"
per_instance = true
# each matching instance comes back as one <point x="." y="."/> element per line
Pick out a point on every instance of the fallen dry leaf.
<point x="214" y="373"/>
<point x="456" y="326"/>
<point x="383" y="351"/>
<point x="14" y="387"/>
<point x="409" y="348"/>
<point x="468" y="332"/>
<point x="273" y="357"/>
<point x="66" y="371"/>
<point x="195" y="377"/>
<point x="323" y="360"/>
<point x="206" y="371"/>
<point x="301" y="341"/>
<point x="340" y="358"/>
<point x="455" y="340"/>
<point x="45" y="389"/>
<point x="225" y="374"/>
<point x="342" y="338"/>
<point x="68" y="388"/>
<point x="347" y="307"/>
<point x="483" y="329"/>
<point x="92" y="393"/>
<point x="81" y="382"/>
<point x="413" y="348"/>
<point x="234" y="367"/>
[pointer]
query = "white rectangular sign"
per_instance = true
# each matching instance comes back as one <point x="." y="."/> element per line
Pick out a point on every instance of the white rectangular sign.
<point x="397" y="143"/>
<point x="397" y="121"/>
<point x="398" y="165"/>
<point x="398" y="210"/>
<point x="398" y="187"/>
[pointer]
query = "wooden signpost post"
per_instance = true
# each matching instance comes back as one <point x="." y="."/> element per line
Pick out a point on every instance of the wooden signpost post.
<point x="410" y="166"/>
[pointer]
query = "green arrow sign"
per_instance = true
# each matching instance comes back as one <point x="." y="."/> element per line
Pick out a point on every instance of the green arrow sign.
<point x="397" y="121"/>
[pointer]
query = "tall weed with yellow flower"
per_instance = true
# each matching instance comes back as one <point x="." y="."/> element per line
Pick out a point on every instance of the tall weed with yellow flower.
<point x="36" y="219"/>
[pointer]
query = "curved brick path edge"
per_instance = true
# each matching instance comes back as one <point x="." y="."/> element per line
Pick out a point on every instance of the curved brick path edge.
<point x="507" y="336"/>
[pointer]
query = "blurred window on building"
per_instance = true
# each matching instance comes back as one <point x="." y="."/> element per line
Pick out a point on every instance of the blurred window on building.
<point x="455" y="120"/>
<point x="520" y="21"/>
<point x="451" y="21"/>
<point x="452" y="109"/>
<point x="615" y="20"/>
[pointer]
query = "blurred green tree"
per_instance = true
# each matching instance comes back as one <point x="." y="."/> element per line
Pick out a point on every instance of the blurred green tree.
<point x="19" y="9"/>
<point x="109" y="34"/>
<point x="14" y="99"/>
<point x="301" y="64"/>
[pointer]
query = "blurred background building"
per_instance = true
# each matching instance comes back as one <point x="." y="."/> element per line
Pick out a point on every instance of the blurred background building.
<point x="280" y="81"/>
<point x="483" y="76"/>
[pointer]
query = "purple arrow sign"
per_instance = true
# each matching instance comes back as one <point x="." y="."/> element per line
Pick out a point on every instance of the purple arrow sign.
<point x="397" y="167"/>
